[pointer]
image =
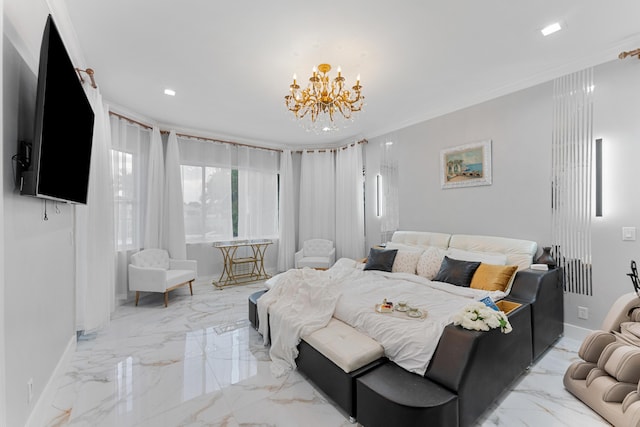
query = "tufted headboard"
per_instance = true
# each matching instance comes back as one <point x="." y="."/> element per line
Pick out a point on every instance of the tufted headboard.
<point x="518" y="252"/>
<point x="422" y="239"/>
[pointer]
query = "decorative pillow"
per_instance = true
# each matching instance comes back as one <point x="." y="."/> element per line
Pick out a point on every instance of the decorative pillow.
<point x="381" y="259"/>
<point x="429" y="262"/>
<point x="493" y="277"/>
<point x="486" y="257"/>
<point x="406" y="262"/>
<point x="456" y="272"/>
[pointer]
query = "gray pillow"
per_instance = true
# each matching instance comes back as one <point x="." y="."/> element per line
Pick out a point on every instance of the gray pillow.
<point x="456" y="272"/>
<point x="381" y="259"/>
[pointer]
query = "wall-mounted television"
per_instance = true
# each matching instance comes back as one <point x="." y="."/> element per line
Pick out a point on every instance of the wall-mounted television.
<point x="60" y="154"/>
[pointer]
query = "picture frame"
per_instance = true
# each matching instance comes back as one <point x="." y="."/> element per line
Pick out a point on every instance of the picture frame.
<point x="467" y="165"/>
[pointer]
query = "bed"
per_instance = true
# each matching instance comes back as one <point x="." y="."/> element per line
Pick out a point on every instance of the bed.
<point x="304" y="303"/>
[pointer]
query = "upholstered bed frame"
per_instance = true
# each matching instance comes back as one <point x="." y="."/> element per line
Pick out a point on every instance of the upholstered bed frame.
<point x="469" y="369"/>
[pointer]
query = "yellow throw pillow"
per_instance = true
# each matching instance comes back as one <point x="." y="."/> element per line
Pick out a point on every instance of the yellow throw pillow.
<point x="491" y="277"/>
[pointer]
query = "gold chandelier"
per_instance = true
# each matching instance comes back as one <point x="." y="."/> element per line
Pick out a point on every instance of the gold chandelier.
<point x="324" y="100"/>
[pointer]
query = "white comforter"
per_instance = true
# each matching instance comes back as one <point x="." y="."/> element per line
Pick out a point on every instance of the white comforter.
<point x="302" y="301"/>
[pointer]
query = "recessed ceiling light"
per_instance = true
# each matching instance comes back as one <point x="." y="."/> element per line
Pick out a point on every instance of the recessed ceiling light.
<point x="550" y="29"/>
<point x="170" y="92"/>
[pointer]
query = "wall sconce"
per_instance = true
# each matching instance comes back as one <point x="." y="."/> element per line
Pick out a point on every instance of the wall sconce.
<point x="378" y="195"/>
<point x="599" y="177"/>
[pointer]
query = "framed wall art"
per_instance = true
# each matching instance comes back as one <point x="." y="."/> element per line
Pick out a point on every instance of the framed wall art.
<point x="466" y="165"/>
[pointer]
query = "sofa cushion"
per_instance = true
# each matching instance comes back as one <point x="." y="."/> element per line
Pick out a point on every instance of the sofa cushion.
<point x="177" y="277"/>
<point x="406" y="261"/>
<point x="151" y="258"/>
<point x="456" y="272"/>
<point x="489" y="258"/>
<point x="344" y="345"/>
<point x="429" y="262"/>
<point x="381" y="259"/>
<point x="493" y="277"/>
<point x="317" y="247"/>
<point x="314" y="262"/>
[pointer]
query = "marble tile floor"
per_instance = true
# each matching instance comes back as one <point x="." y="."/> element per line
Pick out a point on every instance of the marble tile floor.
<point x="200" y="363"/>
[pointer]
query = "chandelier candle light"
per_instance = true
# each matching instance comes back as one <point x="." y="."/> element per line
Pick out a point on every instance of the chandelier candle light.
<point x="324" y="98"/>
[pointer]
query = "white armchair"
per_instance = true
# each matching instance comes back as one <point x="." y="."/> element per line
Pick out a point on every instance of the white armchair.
<point x="151" y="270"/>
<point x="316" y="253"/>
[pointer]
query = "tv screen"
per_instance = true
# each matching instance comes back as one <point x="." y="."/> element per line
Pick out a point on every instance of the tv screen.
<point x="61" y="150"/>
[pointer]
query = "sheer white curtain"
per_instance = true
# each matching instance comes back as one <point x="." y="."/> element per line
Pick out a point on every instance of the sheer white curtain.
<point x="95" y="276"/>
<point x="390" y="204"/>
<point x="173" y="217"/>
<point x="286" y="211"/>
<point x="317" y="196"/>
<point x="155" y="193"/>
<point x="206" y="186"/>
<point x="257" y="193"/>
<point x="350" y="239"/>
<point x="129" y="162"/>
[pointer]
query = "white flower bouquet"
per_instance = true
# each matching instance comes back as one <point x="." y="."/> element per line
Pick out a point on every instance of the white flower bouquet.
<point x="478" y="317"/>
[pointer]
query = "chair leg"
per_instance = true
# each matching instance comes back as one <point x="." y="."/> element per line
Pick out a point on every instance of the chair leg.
<point x="137" y="297"/>
<point x="166" y="299"/>
<point x="191" y="287"/>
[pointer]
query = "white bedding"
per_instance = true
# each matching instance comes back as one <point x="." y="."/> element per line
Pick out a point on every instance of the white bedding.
<point x="301" y="301"/>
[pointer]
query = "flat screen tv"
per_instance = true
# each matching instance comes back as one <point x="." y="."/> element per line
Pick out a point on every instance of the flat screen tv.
<point x="60" y="155"/>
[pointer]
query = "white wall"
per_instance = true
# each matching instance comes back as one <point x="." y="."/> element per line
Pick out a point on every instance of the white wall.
<point x="518" y="202"/>
<point x="38" y="274"/>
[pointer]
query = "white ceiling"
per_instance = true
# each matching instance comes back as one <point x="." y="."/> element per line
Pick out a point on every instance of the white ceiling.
<point x="231" y="62"/>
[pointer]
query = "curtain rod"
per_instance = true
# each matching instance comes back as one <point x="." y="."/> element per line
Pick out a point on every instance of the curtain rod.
<point x="89" y="72"/>
<point x="184" y="135"/>
<point x="324" y="150"/>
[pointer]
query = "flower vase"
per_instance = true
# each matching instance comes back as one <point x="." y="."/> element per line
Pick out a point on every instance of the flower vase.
<point x="546" y="258"/>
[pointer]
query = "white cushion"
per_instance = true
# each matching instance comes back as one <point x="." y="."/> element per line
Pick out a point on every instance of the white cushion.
<point x="403" y="247"/>
<point x="406" y="261"/>
<point x="429" y="262"/>
<point x="317" y="248"/>
<point x="314" y="262"/>
<point x="487" y="258"/>
<point x="518" y="252"/>
<point x="153" y="258"/>
<point x="344" y="346"/>
<point x="177" y="277"/>
<point x="421" y="238"/>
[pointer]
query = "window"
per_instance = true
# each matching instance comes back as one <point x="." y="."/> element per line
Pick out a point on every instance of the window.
<point x="124" y="199"/>
<point x="207" y="203"/>
<point x="222" y="203"/>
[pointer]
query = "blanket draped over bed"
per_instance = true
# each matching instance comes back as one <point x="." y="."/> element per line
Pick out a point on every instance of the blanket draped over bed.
<point x="302" y="301"/>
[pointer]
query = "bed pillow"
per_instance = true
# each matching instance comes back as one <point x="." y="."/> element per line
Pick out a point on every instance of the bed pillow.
<point x="429" y="262"/>
<point x="486" y="257"/>
<point x="381" y="259"/>
<point x="456" y="272"/>
<point x="406" y="261"/>
<point x="490" y="277"/>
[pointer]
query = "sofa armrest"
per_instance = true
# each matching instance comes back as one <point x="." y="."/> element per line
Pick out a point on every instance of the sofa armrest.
<point x="543" y="290"/>
<point x="332" y="256"/>
<point x="183" y="264"/>
<point x="148" y="279"/>
<point x="466" y="361"/>
<point x="298" y="256"/>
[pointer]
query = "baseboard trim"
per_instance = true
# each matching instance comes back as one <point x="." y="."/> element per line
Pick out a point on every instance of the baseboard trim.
<point x="576" y="332"/>
<point x="43" y="404"/>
